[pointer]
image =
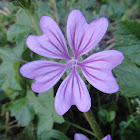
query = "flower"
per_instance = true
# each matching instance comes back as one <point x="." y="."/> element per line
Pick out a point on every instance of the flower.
<point x="79" y="136"/>
<point x="82" y="37"/>
<point x="108" y="137"/>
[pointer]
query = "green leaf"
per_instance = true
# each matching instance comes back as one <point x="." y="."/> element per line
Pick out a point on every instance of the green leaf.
<point x="107" y="112"/>
<point x="27" y="134"/>
<point x="2" y="95"/>
<point x="102" y="115"/>
<point x="4" y="137"/>
<point x="21" y="29"/>
<point x="130" y="129"/>
<point x="43" y="9"/>
<point x="111" y="116"/>
<point x="17" y="30"/>
<point x="9" y="70"/>
<point x="44" y="108"/>
<point x="22" y="110"/>
<point x="53" y="134"/>
<point x="128" y="42"/>
<point x="62" y="127"/>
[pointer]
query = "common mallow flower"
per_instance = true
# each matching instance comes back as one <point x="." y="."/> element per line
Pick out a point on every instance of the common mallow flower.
<point x="79" y="136"/>
<point x="82" y="37"/>
<point x="108" y="137"/>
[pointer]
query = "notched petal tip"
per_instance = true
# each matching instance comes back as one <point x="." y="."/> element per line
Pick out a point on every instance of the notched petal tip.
<point x="120" y="56"/>
<point x="72" y="91"/>
<point x="82" y="37"/>
<point x="75" y="11"/>
<point x="21" y="70"/>
<point x="97" y="69"/>
<point x="104" y="23"/>
<point x="46" y="73"/>
<point x="53" y="39"/>
<point x="104" y="20"/>
<point x="112" y="90"/>
<point x="85" y="109"/>
<point x="24" y="70"/>
<point x="43" y="21"/>
<point x="61" y="112"/>
<point x="38" y="88"/>
<point x="30" y="40"/>
<point x="43" y="18"/>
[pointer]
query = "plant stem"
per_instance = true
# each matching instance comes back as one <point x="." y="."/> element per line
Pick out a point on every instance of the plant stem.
<point x="79" y="127"/>
<point x="24" y="61"/>
<point x="34" y="20"/>
<point x="93" y="124"/>
<point x="99" y="103"/>
<point x="110" y="46"/>
<point x="112" y="128"/>
<point x="55" y="8"/>
<point x="129" y="106"/>
<point x="126" y="4"/>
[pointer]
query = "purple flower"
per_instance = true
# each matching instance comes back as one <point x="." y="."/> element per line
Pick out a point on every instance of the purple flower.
<point x="82" y="37"/>
<point x="79" y="136"/>
<point x="108" y="137"/>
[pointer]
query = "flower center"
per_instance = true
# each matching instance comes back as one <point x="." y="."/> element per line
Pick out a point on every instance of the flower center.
<point x="72" y="63"/>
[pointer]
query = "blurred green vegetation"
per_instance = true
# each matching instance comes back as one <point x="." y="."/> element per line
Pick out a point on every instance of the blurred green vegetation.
<point x="25" y="115"/>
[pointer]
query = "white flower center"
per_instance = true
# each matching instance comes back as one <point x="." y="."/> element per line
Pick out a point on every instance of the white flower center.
<point x="72" y="63"/>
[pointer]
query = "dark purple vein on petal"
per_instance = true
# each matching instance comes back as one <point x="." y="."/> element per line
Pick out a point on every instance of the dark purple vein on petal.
<point x="87" y="73"/>
<point x="49" y="50"/>
<point x="61" y="42"/>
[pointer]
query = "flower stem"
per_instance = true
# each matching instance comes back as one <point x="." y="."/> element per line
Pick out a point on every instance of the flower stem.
<point x="56" y="14"/>
<point x="79" y="127"/>
<point x="93" y="124"/>
<point x="99" y="103"/>
<point x="110" y="46"/>
<point x="34" y="20"/>
<point x="129" y="106"/>
<point x="112" y="128"/>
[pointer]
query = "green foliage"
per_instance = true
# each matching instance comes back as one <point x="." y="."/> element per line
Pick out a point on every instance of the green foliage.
<point x="107" y="113"/>
<point x="2" y="94"/>
<point x="111" y="116"/>
<point x="27" y="134"/>
<point x="22" y="110"/>
<point x="25" y="115"/>
<point x="26" y="4"/>
<point x="128" y="73"/>
<point x="44" y="109"/>
<point x="21" y="29"/>
<point x="130" y="129"/>
<point x="53" y="134"/>
<point x="43" y="9"/>
<point x="103" y="115"/>
<point x="9" y="70"/>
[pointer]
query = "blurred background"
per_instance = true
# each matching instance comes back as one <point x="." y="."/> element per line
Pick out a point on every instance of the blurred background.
<point x="25" y="115"/>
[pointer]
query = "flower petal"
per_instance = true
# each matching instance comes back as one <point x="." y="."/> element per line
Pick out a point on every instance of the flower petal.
<point x="97" y="69"/>
<point x="54" y="34"/>
<point x="72" y="91"/>
<point x="42" y="46"/>
<point x="79" y="136"/>
<point x="82" y="37"/>
<point x="52" y="43"/>
<point x="46" y="73"/>
<point x="108" y="137"/>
